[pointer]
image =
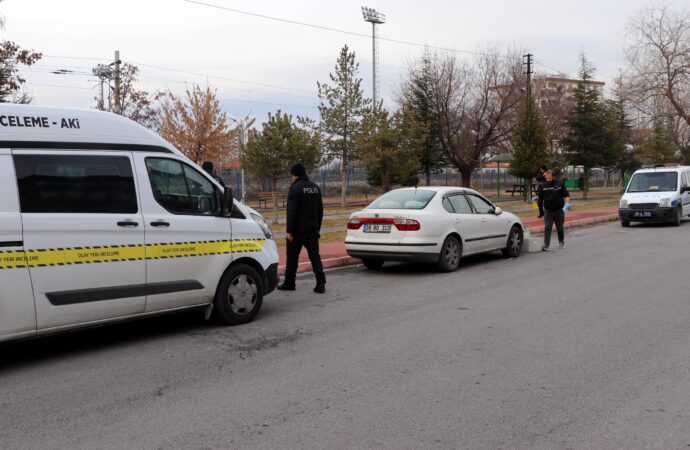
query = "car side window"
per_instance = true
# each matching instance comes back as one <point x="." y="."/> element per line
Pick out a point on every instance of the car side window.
<point x="481" y="205"/>
<point x="102" y="184"/>
<point x="447" y="206"/>
<point x="180" y="189"/>
<point x="460" y="204"/>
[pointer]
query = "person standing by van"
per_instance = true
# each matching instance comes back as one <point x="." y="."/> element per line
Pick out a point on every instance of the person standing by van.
<point x="304" y="217"/>
<point x="208" y="168"/>
<point x="556" y="200"/>
<point x="540" y="180"/>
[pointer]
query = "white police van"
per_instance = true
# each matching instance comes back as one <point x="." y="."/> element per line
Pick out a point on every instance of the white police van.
<point x="102" y="220"/>
<point x="659" y="194"/>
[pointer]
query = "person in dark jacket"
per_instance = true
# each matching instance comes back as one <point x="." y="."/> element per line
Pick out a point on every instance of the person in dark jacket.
<point x="540" y="179"/>
<point x="208" y="168"/>
<point x="304" y="217"/>
<point x="556" y="200"/>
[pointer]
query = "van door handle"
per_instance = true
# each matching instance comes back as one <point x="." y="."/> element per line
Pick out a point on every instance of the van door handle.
<point x="127" y="223"/>
<point x="160" y="223"/>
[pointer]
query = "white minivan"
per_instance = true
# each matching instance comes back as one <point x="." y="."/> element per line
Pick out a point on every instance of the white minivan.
<point x="102" y="220"/>
<point x="659" y="194"/>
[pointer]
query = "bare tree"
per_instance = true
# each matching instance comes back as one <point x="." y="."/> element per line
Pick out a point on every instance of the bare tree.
<point x="477" y="103"/>
<point x="658" y="76"/>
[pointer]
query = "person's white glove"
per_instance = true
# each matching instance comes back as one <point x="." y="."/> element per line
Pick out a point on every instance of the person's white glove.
<point x="566" y="208"/>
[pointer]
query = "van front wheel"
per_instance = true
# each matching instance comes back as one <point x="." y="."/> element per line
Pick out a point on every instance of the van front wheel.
<point x="676" y="217"/>
<point x="239" y="295"/>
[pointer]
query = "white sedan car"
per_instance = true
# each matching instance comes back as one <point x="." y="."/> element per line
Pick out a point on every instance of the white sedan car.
<point x="431" y="224"/>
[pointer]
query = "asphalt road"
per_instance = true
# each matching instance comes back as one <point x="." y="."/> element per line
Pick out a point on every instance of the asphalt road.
<point x="585" y="347"/>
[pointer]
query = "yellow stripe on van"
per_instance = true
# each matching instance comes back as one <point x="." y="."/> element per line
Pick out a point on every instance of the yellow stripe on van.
<point x="14" y="259"/>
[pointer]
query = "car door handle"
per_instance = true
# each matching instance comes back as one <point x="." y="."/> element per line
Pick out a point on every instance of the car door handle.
<point x="160" y="223"/>
<point x="127" y="223"/>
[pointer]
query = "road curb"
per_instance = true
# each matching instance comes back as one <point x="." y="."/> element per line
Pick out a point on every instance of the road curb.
<point x="343" y="261"/>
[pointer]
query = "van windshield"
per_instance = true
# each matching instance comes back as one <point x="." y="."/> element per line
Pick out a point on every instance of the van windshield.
<point x="653" y="182"/>
<point x="404" y="199"/>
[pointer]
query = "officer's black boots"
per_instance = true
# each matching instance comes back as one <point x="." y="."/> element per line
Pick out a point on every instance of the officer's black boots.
<point x="320" y="288"/>
<point x="285" y="286"/>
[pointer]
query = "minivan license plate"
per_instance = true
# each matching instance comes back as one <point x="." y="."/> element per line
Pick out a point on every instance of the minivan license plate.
<point x="377" y="228"/>
<point x="642" y="214"/>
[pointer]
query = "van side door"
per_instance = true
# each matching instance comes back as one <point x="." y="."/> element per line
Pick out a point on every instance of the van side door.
<point x="685" y="196"/>
<point x="17" y="310"/>
<point x="188" y="243"/>
<point x="83" y="235"/>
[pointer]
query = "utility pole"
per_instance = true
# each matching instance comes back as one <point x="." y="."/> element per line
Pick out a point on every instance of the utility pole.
<point x="528" y="99"/>
<point x="243" y="127"/>
<point x="118" y="109"/>
<point x="376" y="18"/>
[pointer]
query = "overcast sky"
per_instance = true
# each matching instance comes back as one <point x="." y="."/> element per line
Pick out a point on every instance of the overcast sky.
<point x="230" y="50"/>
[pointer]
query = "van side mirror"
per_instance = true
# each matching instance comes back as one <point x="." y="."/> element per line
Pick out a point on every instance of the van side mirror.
<point x="227" y="202"/>
<point x="685" y="189"/>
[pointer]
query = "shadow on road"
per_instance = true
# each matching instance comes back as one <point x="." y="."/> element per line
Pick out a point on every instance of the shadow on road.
<point x="72" y="343"/>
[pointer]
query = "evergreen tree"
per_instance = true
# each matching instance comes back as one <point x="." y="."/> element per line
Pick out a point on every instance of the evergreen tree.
<point x="342" y="107"/>
<point x="387" y="145"/>
<point x="271" y="152"/>
<point x="590" y="136"/>
<point x="529" y="144"/>
<point x="417" y="96"/>
<point x="658" y="148"/>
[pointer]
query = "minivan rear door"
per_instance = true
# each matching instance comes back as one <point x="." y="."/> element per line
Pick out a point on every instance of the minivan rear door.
<point x="83" y="235"/>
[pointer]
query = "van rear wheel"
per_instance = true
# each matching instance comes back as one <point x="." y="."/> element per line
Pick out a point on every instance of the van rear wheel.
<point x="239" y="296"/>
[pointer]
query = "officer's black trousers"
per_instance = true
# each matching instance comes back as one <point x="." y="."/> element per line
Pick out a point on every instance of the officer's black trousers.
<point x="310" y="241"/>
<point x="550" y="218"/>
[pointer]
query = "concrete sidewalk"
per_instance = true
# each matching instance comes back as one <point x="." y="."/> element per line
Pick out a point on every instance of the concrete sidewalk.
<point x="334" y="254"/>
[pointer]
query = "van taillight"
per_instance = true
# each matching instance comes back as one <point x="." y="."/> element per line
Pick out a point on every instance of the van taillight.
<point x="354" y="223"/>
<point x="407" y="224"/>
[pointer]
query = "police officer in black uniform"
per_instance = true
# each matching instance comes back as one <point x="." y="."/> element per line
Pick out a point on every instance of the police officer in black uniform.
<point x="304" y="217"/>
<point x="556" y="200"/>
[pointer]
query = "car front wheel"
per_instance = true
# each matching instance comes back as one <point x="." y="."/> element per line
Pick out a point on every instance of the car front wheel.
<point x="514" y="244"/>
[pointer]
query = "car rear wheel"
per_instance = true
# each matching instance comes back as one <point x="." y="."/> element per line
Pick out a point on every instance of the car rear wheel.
<point x="239" y="295"/>
<point x="372" y="264"/>
<point x="449" y="259"/>
<point x="514" y="244"/>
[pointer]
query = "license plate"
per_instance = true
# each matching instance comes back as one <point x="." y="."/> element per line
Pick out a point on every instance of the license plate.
<point x="377" y="228"/>
<point x="642" y="214"/>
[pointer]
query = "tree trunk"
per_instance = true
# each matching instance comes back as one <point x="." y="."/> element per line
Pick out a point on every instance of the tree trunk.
<point x="585" y="188"/>
<point x="343" y="182"/>
<point x="428" y="177"/>
<point x="274" y="185"/>
<point x="466" y="173"/>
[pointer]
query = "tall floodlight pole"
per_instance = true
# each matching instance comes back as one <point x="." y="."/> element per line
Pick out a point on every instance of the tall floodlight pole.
<point x="243" y="128"/>
<point x="376" y="18"/>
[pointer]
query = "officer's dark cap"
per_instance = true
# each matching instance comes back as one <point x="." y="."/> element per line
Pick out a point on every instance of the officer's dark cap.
<point x="298" y="170"/>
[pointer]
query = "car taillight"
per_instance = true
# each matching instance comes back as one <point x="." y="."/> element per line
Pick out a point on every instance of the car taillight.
<point x="407" y="224"/>
<point x="354" y="223"/>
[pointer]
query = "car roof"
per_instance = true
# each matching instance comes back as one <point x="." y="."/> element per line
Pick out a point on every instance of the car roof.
<point x="25" y="125"/>
<point x="441" y="189"/>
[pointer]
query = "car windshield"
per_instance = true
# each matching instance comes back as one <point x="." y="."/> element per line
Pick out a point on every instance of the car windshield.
<point x="653" y="182"/>
<point x="404" y="199"/>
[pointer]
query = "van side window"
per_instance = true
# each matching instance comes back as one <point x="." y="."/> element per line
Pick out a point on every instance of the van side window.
<point x="180" y="189"/>
<point x="75" y="184"/>
<point x="684" y="179"/>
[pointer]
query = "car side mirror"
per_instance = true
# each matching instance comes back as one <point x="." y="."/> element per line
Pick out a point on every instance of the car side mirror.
<point x="228" y="201"/>
<point x="498" y="211"/>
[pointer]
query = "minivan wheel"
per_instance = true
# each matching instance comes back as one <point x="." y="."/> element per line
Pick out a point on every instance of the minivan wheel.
<point x="514" y="244"/>
<point x="372" y="264"/>
<point x="239" y="295"/>
<point x="449" y="258"/>
<point x="676" y="217"/>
